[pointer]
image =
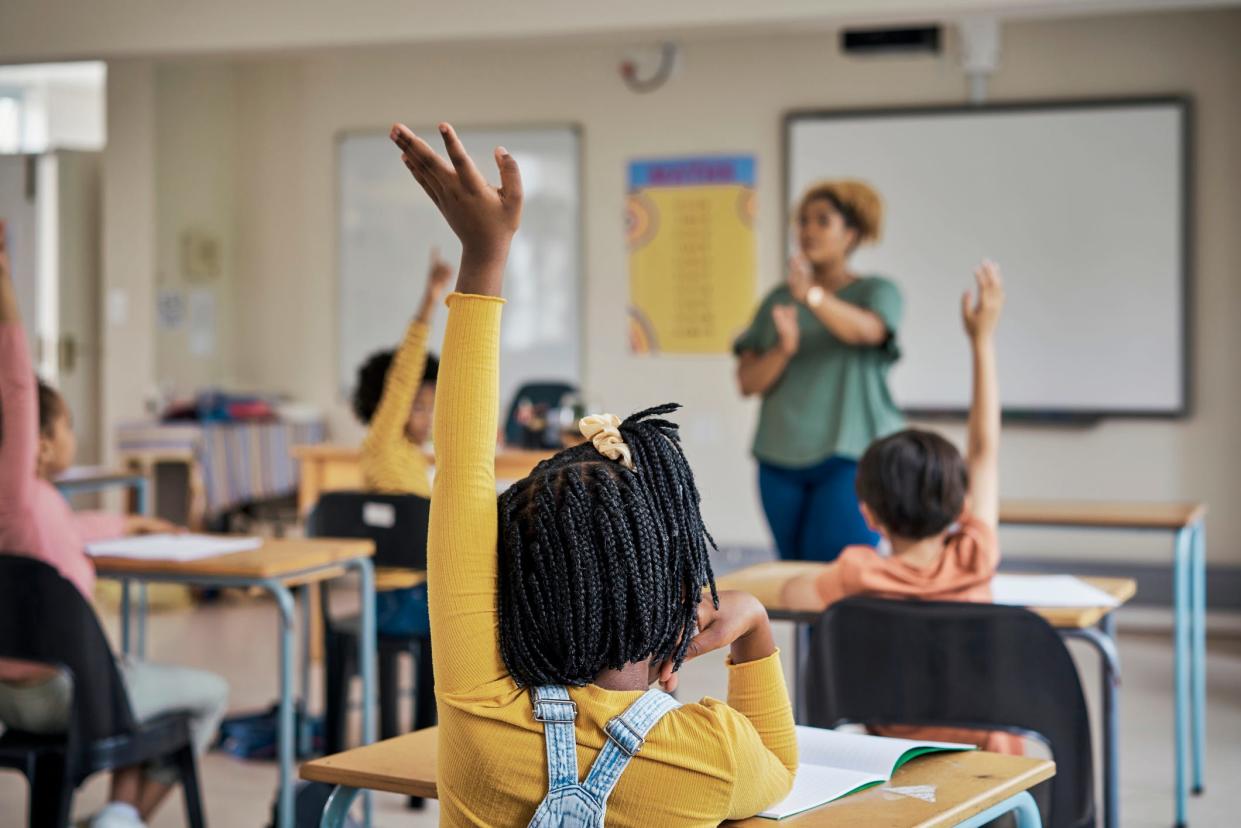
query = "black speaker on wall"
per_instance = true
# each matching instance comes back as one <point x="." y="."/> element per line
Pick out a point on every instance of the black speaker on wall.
<point x="907" y="40"/>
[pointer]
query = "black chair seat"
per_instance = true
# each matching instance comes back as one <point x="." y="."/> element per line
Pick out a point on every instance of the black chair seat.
<point x="151" y="740"/>
<point x="45" y="620"/>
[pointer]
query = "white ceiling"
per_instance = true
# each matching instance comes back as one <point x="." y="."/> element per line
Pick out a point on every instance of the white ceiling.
<point x="43" y="30"/>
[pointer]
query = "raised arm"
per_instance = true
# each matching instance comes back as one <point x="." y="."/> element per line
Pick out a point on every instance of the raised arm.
<point x="387" y="428"/>
<point x="980" y="315"/>
<point x="19" y="412"/>
<point x="8" y="297"/>
<point x="461" y="553"/>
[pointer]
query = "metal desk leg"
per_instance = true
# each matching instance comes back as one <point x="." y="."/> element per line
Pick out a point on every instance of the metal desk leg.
<point x="1181" y="571"/>
<point x="1198" y="652"/>
<point x="1021" y="805"/>
<point x="125" y="616"/>
<point x="368" y="646"/>
<point x="337" y="808"/>
<point x="140" y="495"/>
<point x="285" y="725"/>
<point x="142" y="620"/>
<point x="1104" y="642"/>
<point x="801" y="657"/>
<point x="304" y="597"/>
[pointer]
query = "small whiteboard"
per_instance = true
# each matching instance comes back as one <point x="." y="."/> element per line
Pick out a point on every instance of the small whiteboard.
<point x="388" y="227"/>
<point x="1084" y="206"/>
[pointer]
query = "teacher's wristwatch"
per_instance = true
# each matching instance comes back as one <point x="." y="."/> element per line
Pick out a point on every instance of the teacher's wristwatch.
<point x="814" y="296"/>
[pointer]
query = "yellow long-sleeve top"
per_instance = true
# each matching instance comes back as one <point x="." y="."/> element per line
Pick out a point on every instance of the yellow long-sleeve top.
<point x="390" y="462"/>
<point x="702" y="763"/>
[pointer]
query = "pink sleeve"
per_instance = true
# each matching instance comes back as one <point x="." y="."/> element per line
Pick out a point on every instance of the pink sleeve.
<point x="19" y="420"/>
<point x="99" y="526"/>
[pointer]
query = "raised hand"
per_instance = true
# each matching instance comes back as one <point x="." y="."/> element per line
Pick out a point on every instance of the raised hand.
<point x="439" y="275"/>
<point x="800" y="277"/>
<point x="981" y="315"/>
<point x="4" y="251"/>
<point x="8" y="299"/>
<point x="483" y="217"/>
<point x="787" y="329"/>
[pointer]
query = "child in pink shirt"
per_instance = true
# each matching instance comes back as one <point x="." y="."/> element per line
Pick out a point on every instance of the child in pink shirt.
<point x="937" y="510"/>
<point x="36" y="445"/>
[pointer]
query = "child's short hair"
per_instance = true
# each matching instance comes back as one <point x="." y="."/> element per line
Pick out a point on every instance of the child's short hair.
<point x="601" y="566"/>
<point x="914" y="482"/>
<point x="371" y="378"/>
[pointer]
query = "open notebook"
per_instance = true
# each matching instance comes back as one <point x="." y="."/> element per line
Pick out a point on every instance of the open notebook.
<point x="171" y="547"/>
<point x="1048" y="591"/>
<point x="834" y="764"/>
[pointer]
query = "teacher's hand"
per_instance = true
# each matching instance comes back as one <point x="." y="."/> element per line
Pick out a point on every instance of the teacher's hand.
<point x="800" y="277"/>
<point x="785" y="318"/>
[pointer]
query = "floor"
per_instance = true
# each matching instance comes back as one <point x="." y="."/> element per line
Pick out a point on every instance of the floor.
<point x="237" y="638"/>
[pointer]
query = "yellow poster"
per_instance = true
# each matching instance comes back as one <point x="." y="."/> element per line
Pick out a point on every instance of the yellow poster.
<point x="690" y="229"/>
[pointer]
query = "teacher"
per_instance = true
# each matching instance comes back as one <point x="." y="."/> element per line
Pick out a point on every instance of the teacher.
<point x="818" y="352"/>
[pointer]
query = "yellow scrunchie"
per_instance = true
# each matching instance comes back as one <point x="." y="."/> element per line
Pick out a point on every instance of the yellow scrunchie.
<point x="604" y="431"/>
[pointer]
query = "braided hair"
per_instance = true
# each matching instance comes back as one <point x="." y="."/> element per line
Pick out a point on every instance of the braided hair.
<point x="600" y="566"/>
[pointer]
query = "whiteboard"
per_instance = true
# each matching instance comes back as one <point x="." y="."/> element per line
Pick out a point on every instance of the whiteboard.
<point x="387" y="228"/>
<point x="1084" y="207"/>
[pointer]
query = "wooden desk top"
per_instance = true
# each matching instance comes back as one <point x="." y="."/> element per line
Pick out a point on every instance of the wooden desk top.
<point x="1101" y="514"/>
<point x="397" y="577"/>
<point x="965" y="783"/>
<point x="507" y="459"/>
<point x="766" y="582"/>
<point x="274" y="559"/>
<point x="87" y="475"/>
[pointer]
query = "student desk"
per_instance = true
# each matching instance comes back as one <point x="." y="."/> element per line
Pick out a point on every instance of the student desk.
<point x="83" y="479"/>
<point x="971" y="788"/>
<point x="326" y="468"/>
<point x="275" y="566"/>
<point x="1094" y="625"/>
<point x="1187" y="524"/>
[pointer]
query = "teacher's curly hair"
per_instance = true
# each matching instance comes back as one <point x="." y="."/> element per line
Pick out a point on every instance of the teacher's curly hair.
<point x="856" y="201"/>
<point x="602" y="565"/>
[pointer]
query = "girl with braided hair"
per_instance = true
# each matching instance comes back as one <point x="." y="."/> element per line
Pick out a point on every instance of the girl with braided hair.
<point x="556" y="607"/>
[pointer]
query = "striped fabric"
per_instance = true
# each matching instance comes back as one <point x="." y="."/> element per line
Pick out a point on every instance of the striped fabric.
<point x="240" y="462"/>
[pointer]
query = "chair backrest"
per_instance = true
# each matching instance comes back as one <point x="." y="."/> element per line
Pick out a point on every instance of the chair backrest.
<point x="548" y="393"/>
<point x="957" y="664"/>
<point x="43" y="618"/>
<point x="396" y="523"/>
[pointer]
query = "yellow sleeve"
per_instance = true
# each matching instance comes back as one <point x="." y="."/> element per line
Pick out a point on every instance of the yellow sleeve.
<point x="389" y="463"/>
<point x="761" y="735"/>
<point x="461" y="552"/>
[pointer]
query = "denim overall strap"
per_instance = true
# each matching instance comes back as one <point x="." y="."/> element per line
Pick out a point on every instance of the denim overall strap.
<point x="557" y="712"/>
<point x="626" y="735"/>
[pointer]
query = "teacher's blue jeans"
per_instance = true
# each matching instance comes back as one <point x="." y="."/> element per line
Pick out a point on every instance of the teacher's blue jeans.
<point x="813" y="512"/>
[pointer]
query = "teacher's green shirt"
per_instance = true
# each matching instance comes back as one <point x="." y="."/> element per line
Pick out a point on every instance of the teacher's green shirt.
<point x="833" y="398"/>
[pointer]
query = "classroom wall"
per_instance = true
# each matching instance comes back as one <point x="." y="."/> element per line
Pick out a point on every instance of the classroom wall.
<point x="729" y="97"/>
<point x="129" y="232"/>
<point x="196" y="161"/>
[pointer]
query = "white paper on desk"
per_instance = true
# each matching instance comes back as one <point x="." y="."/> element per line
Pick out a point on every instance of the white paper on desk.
<point x="1047" y="591"/>
<point x="171" y="547"/>
<point x="832" y="764"/>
